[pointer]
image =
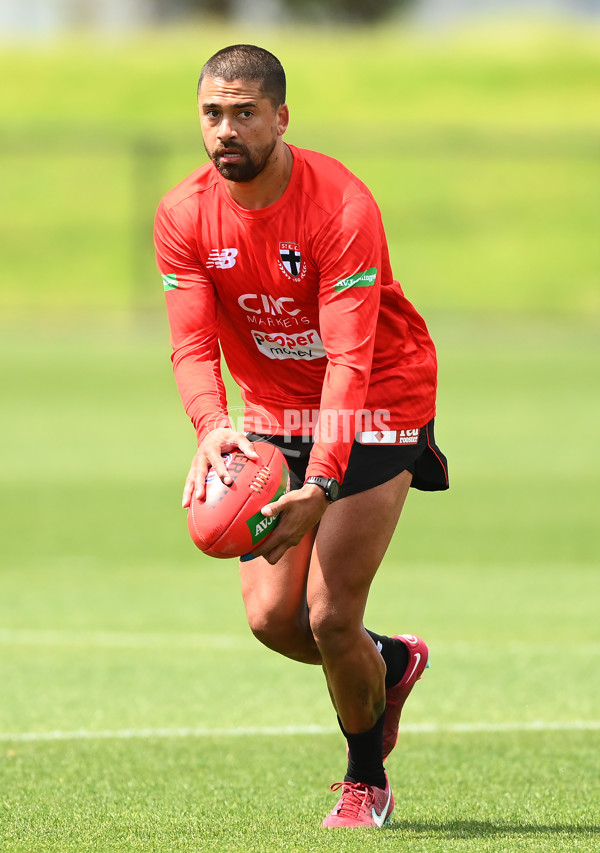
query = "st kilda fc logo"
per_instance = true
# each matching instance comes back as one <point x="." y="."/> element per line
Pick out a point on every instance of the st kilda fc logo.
<point x="290" y="261"/>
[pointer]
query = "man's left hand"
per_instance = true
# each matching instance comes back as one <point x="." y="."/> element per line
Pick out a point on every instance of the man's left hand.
<point x="300" y="511"/>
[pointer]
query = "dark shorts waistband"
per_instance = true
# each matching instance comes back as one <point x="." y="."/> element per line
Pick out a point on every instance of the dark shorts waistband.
<point x="371" y="464"/>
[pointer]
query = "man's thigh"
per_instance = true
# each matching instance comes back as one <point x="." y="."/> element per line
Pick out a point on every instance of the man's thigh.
<point x="351" y="542"/>
<point x="279" y="590"/>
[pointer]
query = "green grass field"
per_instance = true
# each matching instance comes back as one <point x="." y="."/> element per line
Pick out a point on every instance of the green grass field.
<point x="116" y="633"/>
<point x="136" y="711"/>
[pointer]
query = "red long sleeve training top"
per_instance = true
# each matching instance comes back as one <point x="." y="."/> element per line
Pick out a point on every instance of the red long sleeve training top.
<point x="300" y="298"/>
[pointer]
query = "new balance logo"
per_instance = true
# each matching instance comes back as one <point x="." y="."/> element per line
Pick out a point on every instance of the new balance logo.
<point x="222" y="258"/>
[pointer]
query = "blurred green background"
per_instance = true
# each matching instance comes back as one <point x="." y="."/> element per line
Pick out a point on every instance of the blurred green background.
<point x="481" y="145"/>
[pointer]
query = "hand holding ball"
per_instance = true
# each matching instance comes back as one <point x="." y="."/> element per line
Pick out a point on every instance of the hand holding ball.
<point x="229" y="522"/>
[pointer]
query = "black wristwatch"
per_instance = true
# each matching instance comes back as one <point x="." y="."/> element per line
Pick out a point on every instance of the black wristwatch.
<point x="330" y="486"/>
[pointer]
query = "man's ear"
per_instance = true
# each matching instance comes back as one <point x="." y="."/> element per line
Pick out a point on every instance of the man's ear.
<point x="283" y="119"/>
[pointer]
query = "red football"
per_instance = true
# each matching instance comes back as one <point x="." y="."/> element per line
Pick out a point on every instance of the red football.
<point x="229" y="522"/>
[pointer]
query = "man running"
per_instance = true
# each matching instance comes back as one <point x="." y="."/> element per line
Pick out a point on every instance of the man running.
<point x="277" y="257"/>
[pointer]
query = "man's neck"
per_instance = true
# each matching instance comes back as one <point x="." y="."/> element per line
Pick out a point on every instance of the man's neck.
<point x="269" y="186"/>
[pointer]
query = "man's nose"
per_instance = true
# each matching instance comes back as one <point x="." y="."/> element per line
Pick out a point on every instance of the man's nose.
<point x="226" y="129"/>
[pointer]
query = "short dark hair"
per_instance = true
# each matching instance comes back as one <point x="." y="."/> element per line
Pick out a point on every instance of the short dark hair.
<point x="248" y="62"/>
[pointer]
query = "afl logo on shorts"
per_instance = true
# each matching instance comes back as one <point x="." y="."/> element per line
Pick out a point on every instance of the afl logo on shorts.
<point x="389" y="436"/>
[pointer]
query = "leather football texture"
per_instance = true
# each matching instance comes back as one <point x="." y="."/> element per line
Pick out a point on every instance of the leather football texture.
<point x="229" y="522"/>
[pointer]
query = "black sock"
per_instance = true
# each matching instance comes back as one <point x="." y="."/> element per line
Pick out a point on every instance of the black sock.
<point x="365" y="755"/>
<point x="395" y="656"/>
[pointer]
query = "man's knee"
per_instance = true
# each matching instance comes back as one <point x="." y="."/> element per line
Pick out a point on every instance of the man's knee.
<point x="332" y="626"/>
<point x="267" y="622"/>
<point x="285" y="633"/>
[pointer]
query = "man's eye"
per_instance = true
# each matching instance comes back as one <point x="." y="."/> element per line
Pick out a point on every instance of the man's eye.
<point x="246" y="114"/>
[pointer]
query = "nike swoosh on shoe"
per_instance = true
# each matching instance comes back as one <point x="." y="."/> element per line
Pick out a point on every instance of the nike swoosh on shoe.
<point x="380" y="818"/>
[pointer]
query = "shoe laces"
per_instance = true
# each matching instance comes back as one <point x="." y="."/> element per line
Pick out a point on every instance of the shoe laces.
<point x="354" y="796"/>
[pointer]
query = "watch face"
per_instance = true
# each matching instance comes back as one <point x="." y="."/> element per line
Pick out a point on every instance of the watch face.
<point x="333" y="490"/>
<point x="330" y="486"/>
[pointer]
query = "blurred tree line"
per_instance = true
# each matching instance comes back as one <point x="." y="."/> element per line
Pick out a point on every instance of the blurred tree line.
<point x="316" y="10"/>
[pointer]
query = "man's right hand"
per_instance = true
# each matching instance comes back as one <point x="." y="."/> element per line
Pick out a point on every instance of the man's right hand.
<point x="214" y="443"/>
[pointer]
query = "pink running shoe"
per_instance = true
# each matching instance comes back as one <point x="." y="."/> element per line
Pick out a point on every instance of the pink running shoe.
<point x="395" y="697"/>
<point x="361" y="805"/>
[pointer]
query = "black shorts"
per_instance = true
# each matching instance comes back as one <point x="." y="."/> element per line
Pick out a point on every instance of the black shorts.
<point x="370" y="465"/>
